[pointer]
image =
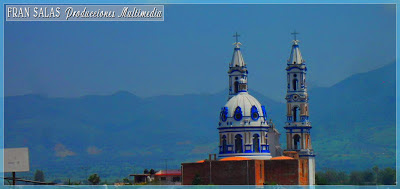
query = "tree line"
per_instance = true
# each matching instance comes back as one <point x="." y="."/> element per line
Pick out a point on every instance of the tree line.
<point x="374" y="176"/>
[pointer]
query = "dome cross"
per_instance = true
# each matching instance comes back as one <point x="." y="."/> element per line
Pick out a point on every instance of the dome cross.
<point x="236" y="36"/>
<point x="294" y="34"/>
<point x="237" y="43"/>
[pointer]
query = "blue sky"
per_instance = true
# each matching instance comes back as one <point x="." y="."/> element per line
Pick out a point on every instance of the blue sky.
<point x="189" y="52"/>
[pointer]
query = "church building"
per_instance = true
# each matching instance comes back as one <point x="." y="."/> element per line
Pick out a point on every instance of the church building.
<point x="243" y="127"/>
<point x="249" y="148"/>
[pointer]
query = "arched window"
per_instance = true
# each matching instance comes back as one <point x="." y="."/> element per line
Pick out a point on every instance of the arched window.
<point x="236" y="86"/>
<point x="224" y="146"/>
<point x="254" y="113"/>
<point x="295" y="82"/>
<point x="256" y="143"/>
<point x="296" y="141"/>
<point x="224" y="113"/>
<point x="296" y="112"/>
<point x="238" y="114"/>
<point x="238" y="144"/>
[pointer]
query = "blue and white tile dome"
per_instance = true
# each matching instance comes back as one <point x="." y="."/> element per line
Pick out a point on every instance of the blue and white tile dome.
<point x="243" y="129"/>
<point x="243" y="110"/>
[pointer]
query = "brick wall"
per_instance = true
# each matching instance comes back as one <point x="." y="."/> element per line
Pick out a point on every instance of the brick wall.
<point x="245" y="172"/>
<point x="190" y="170"/>
<point x="224" y="172"/>
<point x="282" y="172"/>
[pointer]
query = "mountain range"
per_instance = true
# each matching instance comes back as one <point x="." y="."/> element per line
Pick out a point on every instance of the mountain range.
<point x="354" y="126"/>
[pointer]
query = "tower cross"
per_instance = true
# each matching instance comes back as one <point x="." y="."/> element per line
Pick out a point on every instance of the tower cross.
<point x="294" y="34"/>
<point x="236" y="36"/>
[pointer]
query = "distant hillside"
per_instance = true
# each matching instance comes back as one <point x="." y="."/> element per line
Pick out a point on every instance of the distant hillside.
<point x="354" y="121"/>
<point x="353" y="128"/>
<point x="68" y="135"/>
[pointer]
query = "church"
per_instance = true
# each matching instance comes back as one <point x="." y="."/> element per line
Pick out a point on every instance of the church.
<point x="249" y="147"/>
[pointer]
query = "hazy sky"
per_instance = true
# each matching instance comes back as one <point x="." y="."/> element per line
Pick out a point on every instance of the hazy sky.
<point x="189" y="52"/>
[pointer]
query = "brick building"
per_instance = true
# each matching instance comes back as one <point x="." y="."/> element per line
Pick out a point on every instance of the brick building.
<point x="282" y="170"/>
<point x="168" y="177"/>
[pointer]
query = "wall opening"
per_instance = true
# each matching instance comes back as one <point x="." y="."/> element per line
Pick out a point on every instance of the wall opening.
<point x="295" y="82"/>
<point x="236" y="86"/>
<point x="238" y="144"/>
<point x="256" y="143"/>
<point x="296" y="141"/>
<point x="296" y="112"/>
<point x="224" y="146"/>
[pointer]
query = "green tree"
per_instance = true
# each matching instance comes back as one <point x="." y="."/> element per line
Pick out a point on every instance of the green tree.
<point x="342" y="178"/>
<point x="356" y="178"/>
<point x="126" y="181"/>
<point x="368" y="177"/>
<point x="331" y="176"/>
<point x="39" y="176"/>
<point x="69" y="182"/>
<point x="320" y="178"/>
<point x="387" y="176"/>
<point x="376" y="173"/>
<point x="152" y="172"/>
<point x="146" y="171"/>
<point x="94" y="179"/>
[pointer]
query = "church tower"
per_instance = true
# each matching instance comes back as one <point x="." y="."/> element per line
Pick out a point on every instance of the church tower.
<point x="237" y="70"/>
<point x="298" y="126"/>
<point x="244" y="131"/>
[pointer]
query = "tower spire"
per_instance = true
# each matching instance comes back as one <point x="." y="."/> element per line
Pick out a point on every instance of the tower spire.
<point x="237" y="70"/>
<point x="295" y="54"/>
<point x="237" y="58"/>
<point x="298" y="126"/>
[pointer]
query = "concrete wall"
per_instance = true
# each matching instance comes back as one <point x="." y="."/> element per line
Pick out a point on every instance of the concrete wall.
<point x="273" y="142"/>
<point x="311" y="168"/>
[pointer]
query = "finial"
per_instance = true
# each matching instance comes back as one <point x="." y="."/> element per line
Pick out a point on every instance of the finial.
<point x="236" y="36"/>
<point x="237" y="43"/>
<point x="294" y="34"/>
<point x="295" y="41"/>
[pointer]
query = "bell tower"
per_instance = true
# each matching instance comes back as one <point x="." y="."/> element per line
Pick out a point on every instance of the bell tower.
<point x="298" y="126"/>
<point x="237" y="70"/>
